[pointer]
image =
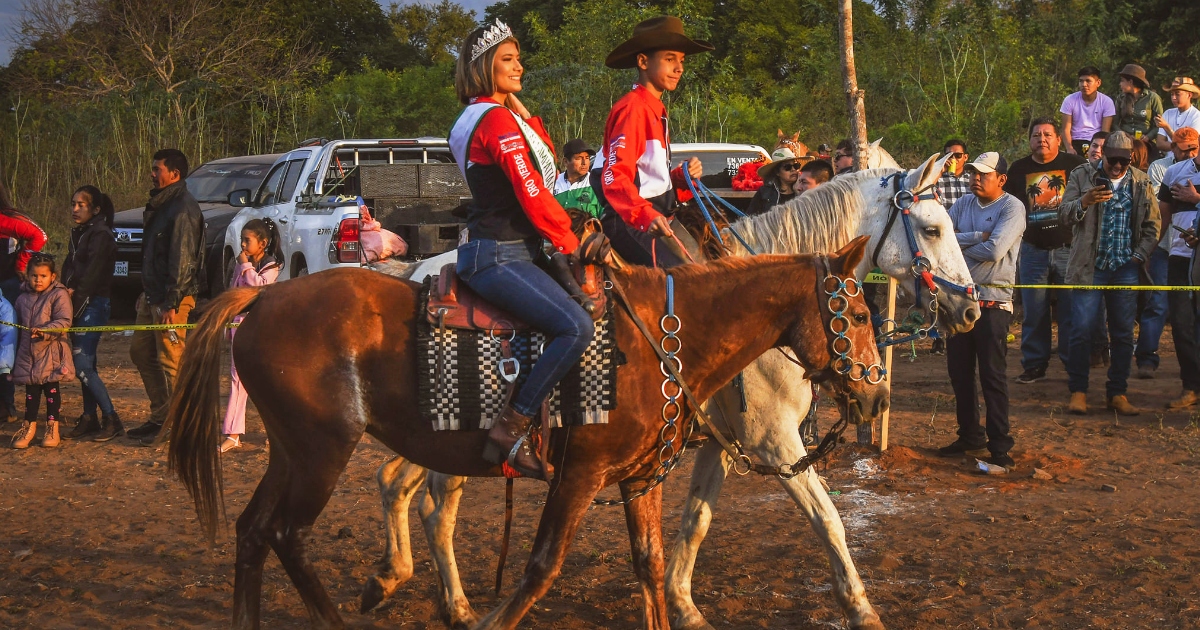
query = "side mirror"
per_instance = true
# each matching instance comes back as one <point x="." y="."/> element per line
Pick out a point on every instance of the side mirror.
<point x="239" y="198"/>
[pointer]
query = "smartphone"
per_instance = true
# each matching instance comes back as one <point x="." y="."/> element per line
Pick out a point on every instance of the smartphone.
<point x="1179" y="229"/>
<point x="1101" y="180"/>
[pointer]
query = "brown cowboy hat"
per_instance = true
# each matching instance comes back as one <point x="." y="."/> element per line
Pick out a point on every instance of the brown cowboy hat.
<point x="664" y="32"/>
<point x="1135" y="72"/>
<point x="1184" y="84"/>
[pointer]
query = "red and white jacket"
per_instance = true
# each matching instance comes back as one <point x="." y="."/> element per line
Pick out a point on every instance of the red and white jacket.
<point x="637" y="179"/>
<point x="30" y="238"/>
<point x="510" y="197"/>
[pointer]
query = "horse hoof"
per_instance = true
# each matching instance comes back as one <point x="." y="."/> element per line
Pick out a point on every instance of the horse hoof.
<point x="869" y="624"/>
<point x="695" y="622"/>
<point x="374" y="592"/>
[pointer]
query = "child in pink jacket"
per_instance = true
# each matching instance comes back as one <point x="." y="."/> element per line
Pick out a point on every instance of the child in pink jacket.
<point x="258" y="265"/>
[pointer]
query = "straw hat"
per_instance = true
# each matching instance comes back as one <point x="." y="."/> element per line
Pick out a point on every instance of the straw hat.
<point x="781" y="156"/>
<point x="1183" y="84"/>
<point x="661" y="33"/>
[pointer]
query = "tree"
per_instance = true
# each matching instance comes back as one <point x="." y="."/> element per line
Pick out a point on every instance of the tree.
<point x="434" y="31"/>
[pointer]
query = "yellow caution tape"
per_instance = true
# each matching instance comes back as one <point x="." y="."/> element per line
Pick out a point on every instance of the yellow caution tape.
<point x="879" y="278"/>
<point x="89" y="329"/>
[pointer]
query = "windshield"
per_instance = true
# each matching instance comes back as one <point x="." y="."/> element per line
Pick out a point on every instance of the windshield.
<point x="212" y="182"/>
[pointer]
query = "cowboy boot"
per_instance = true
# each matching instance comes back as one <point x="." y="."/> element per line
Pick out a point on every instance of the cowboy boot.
<point x="112" y="427"/>
<point x="1188" y="399"/>
<point x="24" y="435"/>
<point x="1120" y="404"/>
<point x="1078" y="404"/>
<point x="85" y="425"/>
<point x="51" y="439"/>
<point x="509" y="441"/>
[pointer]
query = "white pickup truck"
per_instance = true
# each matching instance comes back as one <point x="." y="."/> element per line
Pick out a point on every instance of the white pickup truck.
<point x="311" y="193"/>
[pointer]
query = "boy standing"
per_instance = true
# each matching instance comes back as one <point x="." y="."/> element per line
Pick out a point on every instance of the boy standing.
<point x="1085" y="112"/>
<point x="638" y="188"/>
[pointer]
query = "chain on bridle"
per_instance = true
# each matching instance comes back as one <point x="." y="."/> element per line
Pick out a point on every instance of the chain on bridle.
<point x="903" y="199"/>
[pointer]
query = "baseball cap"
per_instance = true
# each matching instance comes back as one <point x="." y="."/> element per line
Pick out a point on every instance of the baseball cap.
<point x="1118" y="144"/>
<point x="577" y="146"/>
<point x="1186" y="138"/>
<point x="990" y="162"/>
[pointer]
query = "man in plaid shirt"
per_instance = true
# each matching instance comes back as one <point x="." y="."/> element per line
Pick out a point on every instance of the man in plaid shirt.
<point x="955" y="182"/>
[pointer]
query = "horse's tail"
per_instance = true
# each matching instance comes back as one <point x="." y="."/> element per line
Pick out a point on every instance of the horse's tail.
<point x="193" y="417"/>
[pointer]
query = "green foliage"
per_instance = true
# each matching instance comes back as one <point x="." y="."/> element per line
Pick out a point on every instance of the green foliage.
<point x="418" y="101"/>
<point x="435" y="31"/>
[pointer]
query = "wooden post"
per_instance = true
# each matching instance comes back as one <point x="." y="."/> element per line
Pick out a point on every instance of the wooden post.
<point x="854" y="97"/>
<point x="887" y="361"/>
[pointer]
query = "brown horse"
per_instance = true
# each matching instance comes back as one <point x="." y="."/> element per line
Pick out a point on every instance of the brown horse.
<point x="332" y="355"/>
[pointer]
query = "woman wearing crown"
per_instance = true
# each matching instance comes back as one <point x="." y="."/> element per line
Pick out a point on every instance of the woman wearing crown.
<point x="508" y="162"/>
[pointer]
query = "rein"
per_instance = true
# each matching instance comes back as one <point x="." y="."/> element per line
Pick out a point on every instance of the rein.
<point x="674" y="385"/>
<point x="700" y="193"/>
<point x="903" y="199"/>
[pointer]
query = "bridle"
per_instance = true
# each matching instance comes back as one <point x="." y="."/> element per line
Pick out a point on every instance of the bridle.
<point x="674" y="441"/>
<point x="903" y="199"/>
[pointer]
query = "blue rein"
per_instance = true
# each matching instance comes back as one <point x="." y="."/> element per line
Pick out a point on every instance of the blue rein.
<point x="701" y="193"/>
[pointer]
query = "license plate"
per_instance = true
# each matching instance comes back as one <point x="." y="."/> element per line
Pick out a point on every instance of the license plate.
<point x="121" y="269"/>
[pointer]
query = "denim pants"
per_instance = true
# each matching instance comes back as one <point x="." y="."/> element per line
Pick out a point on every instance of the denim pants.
<point x="1088" y="307"/>
<point x="503" y="273"/>
<point x="1043" y="266"/>
<point x="84" y="346"/>
<point x="1152" y="316"/>
<point x="1184" y="322"/>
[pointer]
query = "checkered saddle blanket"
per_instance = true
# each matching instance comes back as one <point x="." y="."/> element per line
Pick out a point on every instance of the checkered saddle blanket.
<point x="461" y="386"/>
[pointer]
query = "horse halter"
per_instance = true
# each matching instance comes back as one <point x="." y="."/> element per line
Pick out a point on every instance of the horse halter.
<point x="839" y="291"/>
<point x="903" y="199"/>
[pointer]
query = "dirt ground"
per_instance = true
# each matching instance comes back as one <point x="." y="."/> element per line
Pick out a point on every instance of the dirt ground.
<point x="100" y="535"/>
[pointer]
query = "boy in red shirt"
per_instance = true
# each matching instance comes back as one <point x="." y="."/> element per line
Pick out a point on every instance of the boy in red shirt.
<point x="638" y="188"/>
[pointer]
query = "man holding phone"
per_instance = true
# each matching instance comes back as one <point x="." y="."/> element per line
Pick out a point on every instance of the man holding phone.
<point x="1177" y="197"/>
<point x="1115" y="221"/>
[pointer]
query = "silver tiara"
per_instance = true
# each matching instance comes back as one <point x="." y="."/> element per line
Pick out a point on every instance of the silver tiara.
<point x="492" y="36"/>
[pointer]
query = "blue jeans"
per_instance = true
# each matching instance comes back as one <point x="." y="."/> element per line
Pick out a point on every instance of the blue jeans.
<point x="85" y="344"/>
<point x="1043" y="266"/>
<point x="503" y="273"/>
<point x="1153" y="316"/>
<point x="1088" y="307"/>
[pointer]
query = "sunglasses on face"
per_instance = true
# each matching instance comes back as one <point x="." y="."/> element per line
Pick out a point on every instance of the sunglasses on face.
<point x="789" y="167"/>
<point x="958" y="155"/>
<point x="1117" y="161"/>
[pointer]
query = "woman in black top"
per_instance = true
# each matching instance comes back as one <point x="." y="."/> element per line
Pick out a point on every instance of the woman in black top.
<point x="88" y="275"/>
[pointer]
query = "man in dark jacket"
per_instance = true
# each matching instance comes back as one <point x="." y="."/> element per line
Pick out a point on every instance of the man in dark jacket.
<point x="172" y="246"/>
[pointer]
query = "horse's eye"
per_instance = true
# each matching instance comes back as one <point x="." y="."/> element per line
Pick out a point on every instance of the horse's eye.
<point x="933" y="232"/>
<point x="860" y="318"/>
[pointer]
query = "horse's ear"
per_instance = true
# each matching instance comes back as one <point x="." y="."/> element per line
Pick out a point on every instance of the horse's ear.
<point x="875" y="145"/>
<point x="796" y="136"/>
<point x="925" y="175"/>
<point x="846" y="259"/>
<point x="779" y="133"/>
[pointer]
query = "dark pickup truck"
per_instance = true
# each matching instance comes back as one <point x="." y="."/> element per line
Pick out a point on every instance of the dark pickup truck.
<point x="210" y="184"/>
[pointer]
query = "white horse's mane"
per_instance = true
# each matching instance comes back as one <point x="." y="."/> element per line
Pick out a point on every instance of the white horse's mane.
<point x="820" y="219"/>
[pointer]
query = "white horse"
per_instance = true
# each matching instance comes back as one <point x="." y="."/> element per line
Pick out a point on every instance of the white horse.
<point x="777" y="397"/>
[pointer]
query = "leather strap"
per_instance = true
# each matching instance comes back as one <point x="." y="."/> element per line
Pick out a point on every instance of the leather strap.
<point x="508" y="517"/>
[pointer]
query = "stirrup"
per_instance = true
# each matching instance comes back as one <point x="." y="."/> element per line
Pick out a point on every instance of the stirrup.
<point x="526" y="472"/>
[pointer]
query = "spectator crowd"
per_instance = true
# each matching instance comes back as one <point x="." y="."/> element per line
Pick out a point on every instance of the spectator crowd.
<point x="1105" y="198"/>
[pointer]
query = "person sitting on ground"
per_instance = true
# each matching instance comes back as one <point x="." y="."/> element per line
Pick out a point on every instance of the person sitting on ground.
<point x="505" y="156"/>
<point x="988" y="224"/>
<point x="1096" y="148"/>
<point x="1115" y="219"/>
<point x="814" y="174"/>
<point x="779" y="179"/>
<point x="955" y="181"/>
<point x="43" y="357"/>
<point x="1085" y="112"/>
<point x="87" y="274"/>
<point x="638" y="187"/>
<point x="1137" y="105"/>
<point x="257" y="266"/>
<point x="573" y="188"/>
<point x="1183" y="93"/>
<point x="1178" y="199"/>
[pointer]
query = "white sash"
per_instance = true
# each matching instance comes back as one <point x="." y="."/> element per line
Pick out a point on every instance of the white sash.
<point x="464" y="130"/>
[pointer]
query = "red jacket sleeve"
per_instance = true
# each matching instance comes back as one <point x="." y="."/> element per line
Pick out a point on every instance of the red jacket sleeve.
<point x="683" y="194"/>
<point x="625" y="137"/>
<point x="28" y="232"/>
<point x="498" y="141"/>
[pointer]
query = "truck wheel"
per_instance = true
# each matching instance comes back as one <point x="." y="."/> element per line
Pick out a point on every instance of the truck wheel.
<point x="229" y="262"/>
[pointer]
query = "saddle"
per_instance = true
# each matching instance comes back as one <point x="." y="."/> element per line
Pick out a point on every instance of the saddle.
<point x="452" y="304"/>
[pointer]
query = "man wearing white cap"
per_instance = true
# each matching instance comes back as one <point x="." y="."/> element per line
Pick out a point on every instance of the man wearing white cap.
<point x="988" y="224"/>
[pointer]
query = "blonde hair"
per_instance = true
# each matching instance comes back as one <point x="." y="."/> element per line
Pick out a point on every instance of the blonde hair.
<point x="476" y="78"/>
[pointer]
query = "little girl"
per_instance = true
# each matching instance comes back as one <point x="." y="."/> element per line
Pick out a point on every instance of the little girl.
<point x="258" y="265"/>
<point x="43" y="358"/>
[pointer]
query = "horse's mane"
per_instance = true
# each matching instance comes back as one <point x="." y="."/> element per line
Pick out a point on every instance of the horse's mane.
<point x="821" y="219"/>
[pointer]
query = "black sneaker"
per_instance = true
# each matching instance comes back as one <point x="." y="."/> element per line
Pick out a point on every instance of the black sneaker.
<point x="84" y="426"/>
<point x="1032" y="375"/>
<point x="939" y="347"/>
<point x="959" y="447"/>
<point x="1001" y="459"/>
<point x="112" y="428"/>
<point x="149" y="429"/>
